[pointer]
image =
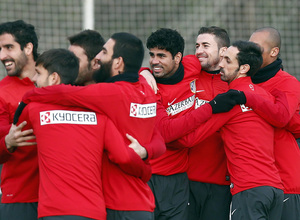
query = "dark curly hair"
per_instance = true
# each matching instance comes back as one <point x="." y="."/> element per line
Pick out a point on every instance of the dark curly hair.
<point x="166" y="39"/>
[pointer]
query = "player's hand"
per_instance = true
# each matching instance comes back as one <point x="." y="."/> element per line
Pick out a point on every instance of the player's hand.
<point x="224" y="102"/>
<point x="18" y="138"/>
<point x="150" y="79"/>
<point x="135" y="145"/>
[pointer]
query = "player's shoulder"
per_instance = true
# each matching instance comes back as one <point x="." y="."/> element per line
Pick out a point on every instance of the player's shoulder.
<point x="191" y="59"/>
<point x="192" y="66"/>
<point x="285" y="74"/>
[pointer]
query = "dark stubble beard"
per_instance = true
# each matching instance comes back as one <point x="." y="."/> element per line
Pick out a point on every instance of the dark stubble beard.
<point x="20" y="63"/>
<point x="104" y="72"/>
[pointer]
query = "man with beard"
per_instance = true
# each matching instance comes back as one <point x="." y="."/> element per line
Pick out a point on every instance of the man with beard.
<point x="131" y="104"/>
<point x="208" y="176"/>
<point x="19" y="183"/>
<point x="287" y="153"/>
<point x="248" y="140"/>
<point x="86" y="45"/>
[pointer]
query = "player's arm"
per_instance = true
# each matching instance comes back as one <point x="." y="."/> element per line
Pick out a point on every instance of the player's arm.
<point x="5" y="125"/>
<point x="172" y="129"/>
<point x="154" y="149"/>
<point x="276" y="113"/>
<point x="96" y="97"/>
<point x="204" y="130"/>
<point x="294" y="125"/>
<point x="146" y="73"/>
<point x="19" y="135"/>
<point x="120" y="153"/>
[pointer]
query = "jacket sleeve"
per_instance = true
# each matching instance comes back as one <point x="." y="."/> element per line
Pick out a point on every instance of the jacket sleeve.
<point x="202" y="132"/>
<point x="5" y="154"/>
<point x="276" y="113"/>
<point x="4" y="129"/>
<point x="174" y="128"/>
<point x="294" y="125"/>
<point x="157" y="145"/>
<point x="119" y="153"/>
<point x="81" y="96"/>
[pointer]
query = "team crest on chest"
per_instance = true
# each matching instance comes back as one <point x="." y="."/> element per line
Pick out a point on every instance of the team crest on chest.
<point x="193" y="86"/>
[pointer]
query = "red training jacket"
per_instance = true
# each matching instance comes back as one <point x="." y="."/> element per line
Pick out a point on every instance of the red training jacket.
<point x="18" y="183"/>
<point x="71" y="143"/>
<point x="248" y="141"/>
<point x="132" y="107"/>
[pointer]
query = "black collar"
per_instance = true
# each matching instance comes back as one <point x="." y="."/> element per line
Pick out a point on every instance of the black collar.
<point x="126" y="76"/>
<point x="267" y="72"/>
<point x="213" y="72"/>
<point x="174" y="79"/>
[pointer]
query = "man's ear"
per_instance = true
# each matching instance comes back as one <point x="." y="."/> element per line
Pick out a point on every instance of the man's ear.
<point x="244" y="69"/>
<point x="28" y="49"/>
<point x="54" y="79"/>
<point x="222" y="51"/>
<point x="118" y="64"/>
<point x="274" y="52"/>
<point x="178" y="57"/>
<point x="95" y="64"/>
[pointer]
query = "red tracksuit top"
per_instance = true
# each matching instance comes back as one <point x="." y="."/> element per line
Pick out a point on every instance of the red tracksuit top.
<point x="178" y="99"/>
<point x="287" y="153"/>
<point x="71" y="143"/>
<point x="207" y="160"/>
<point x="18" y="183"/>
<point x="132" y="107"/>
<point x="294" y="125"/>
<point x="248" y="141"/>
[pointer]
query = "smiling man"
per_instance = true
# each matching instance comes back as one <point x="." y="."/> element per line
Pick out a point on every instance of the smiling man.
<point x="208" y="176"/>
<point x="19" y="184"/>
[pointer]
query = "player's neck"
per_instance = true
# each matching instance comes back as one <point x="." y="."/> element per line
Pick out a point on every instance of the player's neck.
<point x="28" y="70"/>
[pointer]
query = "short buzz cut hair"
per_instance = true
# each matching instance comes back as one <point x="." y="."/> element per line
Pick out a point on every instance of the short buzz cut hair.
<point x="166" y="39"/>
<point x="130" y="48"/>
<point x="274" y="38"/>
<point x="23" y="34"/>
<point x="91" y="41"/>
<point x="61" y="61"/>
<point x="220" y="34"/>
<point x="249" y="53"/>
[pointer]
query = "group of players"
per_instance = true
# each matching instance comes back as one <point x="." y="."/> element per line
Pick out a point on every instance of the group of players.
<point x="84" y="136"/>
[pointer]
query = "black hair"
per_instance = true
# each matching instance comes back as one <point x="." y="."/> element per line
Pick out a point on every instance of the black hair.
<point x="91" y="41"/>
<point x="220" y="34"/>
<point x="130" y="48"/>
<point x="249" y="53"/>
<point x="166" y="39"/>
<point x="61" y="61"/>
<point x="23" y="34"/>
